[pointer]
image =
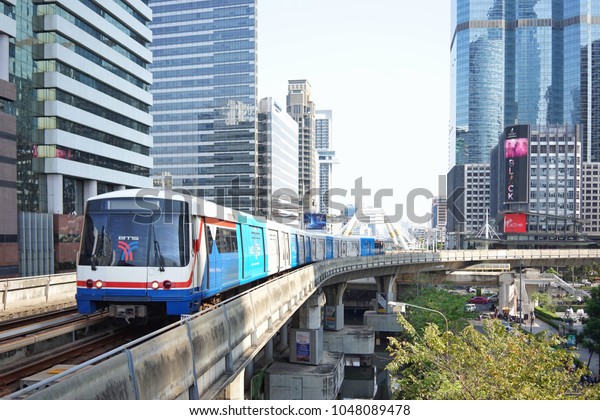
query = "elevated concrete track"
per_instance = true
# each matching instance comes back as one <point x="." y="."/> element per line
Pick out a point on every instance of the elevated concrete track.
<point x="205" y="356"/>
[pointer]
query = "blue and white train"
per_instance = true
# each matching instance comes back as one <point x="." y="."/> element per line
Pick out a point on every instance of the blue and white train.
<point x="148" y="251"/>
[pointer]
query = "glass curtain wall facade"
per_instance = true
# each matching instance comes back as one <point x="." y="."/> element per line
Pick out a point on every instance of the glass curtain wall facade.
<point x="204" y="89"/>
<point x="515" y="62"/>
<point x="8" y="144"/>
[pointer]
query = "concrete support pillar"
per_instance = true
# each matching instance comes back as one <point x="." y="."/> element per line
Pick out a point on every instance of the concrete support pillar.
<point x="90" y="189"/>
<point x="55" y="193"/>
<point x="248" y="373"/>
<point x="334" y="310"/>
<point x="235" y="390"/>
<point x="385" y="293"/>
<point x="283" y="338"/>
<point x="268" y="355"/>
<point x="306" y="342"/>
<point x="310" y="312"/>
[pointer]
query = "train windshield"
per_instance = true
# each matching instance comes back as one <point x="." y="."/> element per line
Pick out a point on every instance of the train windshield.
<point x="126" y="236"/>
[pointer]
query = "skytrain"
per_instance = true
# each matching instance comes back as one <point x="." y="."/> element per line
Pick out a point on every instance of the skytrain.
<point x="154" y="252"/>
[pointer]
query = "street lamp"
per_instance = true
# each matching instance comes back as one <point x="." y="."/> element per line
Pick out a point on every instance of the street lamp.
<point x="521" y="292"/>
<point x="403" y="305"/>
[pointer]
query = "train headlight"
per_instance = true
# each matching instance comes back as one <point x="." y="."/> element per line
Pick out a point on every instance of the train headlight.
<point x="99" y="284"/>
<point x="155" y="285"/>
<point x="166" y="284"/>
<point x="89" y="283"/>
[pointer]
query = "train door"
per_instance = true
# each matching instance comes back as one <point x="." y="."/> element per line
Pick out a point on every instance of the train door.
<point x="273" y="251"/>
<point x="284" y="251"/>
<point x="223" y="260"/>
<point x="201" y="252"/>
<point x="307" y="249"/>
<point x="328" y="248"/>
<point x="319" y="245"/>
<point x="301" y="250"/>
<point x="294" y="257"/>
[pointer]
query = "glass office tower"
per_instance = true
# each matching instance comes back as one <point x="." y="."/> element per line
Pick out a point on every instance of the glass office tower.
<point x="205" y="122"/>
<point x="516" y="62"/>
<point x="522" y="62"/>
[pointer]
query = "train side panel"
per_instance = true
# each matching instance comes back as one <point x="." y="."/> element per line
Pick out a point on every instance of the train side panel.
<point x="329" y="253"/>
<point x="367" y="247"/>
<point x="254" y="258"/>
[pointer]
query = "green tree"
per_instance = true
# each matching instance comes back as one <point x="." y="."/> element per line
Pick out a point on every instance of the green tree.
<point x="452" y="306"/>
<point x="492" y="365"/>
<point x="591" y="327"/>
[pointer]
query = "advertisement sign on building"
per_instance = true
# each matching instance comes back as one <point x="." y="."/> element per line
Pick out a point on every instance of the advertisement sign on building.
<point x="516" y="162"/>
<point x="515" y="223"/>
<point x="315" y="221"/>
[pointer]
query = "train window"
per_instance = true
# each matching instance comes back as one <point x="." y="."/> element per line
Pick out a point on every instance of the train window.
<point x="170" y="241"/>
<point x="226" y="240"/>
<point x="209" y="239"/>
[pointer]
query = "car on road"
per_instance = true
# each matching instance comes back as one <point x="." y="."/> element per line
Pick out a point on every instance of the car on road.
<point x="493" y="298"/>
<point x="479" y="299"/>
<point x="470" y="307"/>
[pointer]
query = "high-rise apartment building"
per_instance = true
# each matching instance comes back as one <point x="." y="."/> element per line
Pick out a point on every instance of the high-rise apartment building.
<point x="326" y="156"/>
<point x="82" y="115"/>
<point x="204" y="88"/>
<point x="302" y="109"/>
<point x="277" y="163"/>
<point x="514" y="62"/>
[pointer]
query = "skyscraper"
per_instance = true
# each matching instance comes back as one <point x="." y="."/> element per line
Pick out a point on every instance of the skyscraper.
<point x="8" y="146"/>
<point x="301" y="107"/>
<point x="277" y="163"/>
<point x="204" y="88"/>
<point x="82" y="115"/>
<point x="514" y="62"/>
<point x="326" y="156"/>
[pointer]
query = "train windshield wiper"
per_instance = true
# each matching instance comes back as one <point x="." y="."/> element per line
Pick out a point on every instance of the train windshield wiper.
<point x="161" y="260"/>
<point x="99" y="247"/>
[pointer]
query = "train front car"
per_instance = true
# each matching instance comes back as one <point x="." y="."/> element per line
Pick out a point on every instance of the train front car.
<point x="136" y="257"/>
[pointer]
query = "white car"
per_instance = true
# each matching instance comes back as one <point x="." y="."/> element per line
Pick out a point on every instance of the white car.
<point x="470" y="307"/>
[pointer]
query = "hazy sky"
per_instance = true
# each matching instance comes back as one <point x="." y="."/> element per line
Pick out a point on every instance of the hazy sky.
<point x="382" y="67"/>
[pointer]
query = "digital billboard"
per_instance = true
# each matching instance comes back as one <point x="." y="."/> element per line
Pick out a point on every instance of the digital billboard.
<point x="516" y="161"/>
<point x="515" y="223"/>
<point x="315" y="221"/>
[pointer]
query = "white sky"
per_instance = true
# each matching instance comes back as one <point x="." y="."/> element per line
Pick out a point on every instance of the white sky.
<point x="382" y="67"/>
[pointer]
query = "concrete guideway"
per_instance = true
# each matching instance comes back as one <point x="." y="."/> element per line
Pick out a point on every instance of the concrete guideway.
<point x="205" y="355"/>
